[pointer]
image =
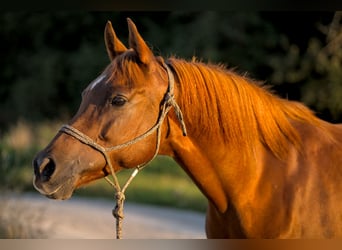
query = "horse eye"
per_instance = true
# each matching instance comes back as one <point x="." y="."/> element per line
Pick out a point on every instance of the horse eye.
<point x="118" y="101"/>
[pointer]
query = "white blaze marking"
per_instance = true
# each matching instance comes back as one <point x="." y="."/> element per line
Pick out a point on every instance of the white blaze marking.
<point x="97" y="81"/>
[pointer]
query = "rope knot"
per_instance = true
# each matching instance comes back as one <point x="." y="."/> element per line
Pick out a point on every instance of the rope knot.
<point x="118" y="210"/>
<point x="169" y="99"/>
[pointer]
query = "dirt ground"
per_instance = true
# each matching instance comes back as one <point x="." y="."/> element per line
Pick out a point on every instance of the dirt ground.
<point x="31" y="215"/>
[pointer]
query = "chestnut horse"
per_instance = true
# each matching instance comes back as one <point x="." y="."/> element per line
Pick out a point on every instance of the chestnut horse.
<point x="268" y="167"/>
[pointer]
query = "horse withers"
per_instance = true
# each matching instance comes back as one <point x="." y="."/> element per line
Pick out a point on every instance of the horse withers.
<point x="268" y="167"/>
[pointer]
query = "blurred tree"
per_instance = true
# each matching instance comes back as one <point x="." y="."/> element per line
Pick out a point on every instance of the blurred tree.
<point x="235" y="38"/>
<point x="48" y="58"/>
<point x="316" y="69"/>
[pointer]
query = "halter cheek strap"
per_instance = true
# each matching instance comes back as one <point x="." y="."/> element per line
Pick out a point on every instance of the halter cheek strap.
<point x="167" y="104"/>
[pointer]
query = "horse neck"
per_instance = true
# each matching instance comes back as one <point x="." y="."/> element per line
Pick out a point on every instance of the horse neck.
<point x="219" y="173"/>
<point x="230" y="123"/>
<point x="197" y="163"/>
<point x="204" y="153"/>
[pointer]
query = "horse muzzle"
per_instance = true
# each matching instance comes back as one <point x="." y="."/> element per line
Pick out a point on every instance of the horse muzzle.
<point x="46" y="182"/>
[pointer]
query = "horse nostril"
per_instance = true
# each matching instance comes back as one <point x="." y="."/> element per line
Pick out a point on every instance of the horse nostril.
<point x="45" y="169"/>
<point x="48" y="170"/>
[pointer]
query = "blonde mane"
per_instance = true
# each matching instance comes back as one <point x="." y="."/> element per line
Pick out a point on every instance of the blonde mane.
<point x="222" y="104"/>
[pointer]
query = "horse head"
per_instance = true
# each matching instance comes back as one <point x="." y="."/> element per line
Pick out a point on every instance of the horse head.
<point x="121" y="104"/>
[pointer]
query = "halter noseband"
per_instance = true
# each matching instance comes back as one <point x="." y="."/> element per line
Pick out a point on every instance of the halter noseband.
<point x="168" y="102"/>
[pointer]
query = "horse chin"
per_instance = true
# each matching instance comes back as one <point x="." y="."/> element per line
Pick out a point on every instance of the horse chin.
<point x="59" y="196"/>
<point x="61" y="192"/>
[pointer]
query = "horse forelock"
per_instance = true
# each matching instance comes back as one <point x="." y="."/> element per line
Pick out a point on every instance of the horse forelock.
<point x="222" y="105"/>
<point x="126" y="70"/>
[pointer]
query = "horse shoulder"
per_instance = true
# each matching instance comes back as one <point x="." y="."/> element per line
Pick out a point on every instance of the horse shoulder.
<point x="315" y="182"/>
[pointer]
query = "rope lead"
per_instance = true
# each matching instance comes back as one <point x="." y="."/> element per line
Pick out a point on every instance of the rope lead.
<point x="118" y="212"/>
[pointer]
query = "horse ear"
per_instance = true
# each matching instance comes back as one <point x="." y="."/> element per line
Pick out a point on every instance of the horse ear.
<point x="113" y="45"/>
<point x="137" y="43"/>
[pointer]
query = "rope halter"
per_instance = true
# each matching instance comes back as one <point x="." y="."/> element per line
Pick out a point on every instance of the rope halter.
<point x="167" y="104"/>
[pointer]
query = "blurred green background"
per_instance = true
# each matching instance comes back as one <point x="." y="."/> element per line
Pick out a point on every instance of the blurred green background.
<point x="47" y="58"/>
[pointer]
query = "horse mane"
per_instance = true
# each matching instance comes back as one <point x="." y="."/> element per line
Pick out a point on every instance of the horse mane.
<point x="220" y="103"/>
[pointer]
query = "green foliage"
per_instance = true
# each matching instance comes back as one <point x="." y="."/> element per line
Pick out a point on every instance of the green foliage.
<point x="12" y="170"/>
<point x="49" y="57"/>
<point x="17" y="149"/>
<point x="240" y="39"/>
<point x="317" y="70"/>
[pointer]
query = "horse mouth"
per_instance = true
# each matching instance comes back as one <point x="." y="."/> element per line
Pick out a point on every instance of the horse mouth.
<point x="61" y="192"/>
